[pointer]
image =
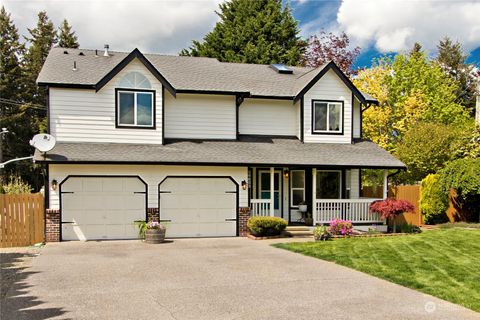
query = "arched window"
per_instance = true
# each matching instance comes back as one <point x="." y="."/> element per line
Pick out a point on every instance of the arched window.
<point x="135" y="102"/>
<point x="134" y="80"/>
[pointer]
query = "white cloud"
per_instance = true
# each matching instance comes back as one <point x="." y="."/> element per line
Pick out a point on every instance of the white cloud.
<point x="152" y="26"/>
<point x="395" y="25"/>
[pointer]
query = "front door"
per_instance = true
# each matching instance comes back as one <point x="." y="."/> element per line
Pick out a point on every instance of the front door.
<point x="264" y="189"/>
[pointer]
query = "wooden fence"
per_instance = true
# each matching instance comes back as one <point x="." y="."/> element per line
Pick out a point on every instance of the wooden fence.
<point x="410" y="193"/>
<point x="21" y="219"/>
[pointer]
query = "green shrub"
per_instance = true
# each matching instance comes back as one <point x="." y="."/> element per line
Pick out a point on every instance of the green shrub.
<point x="463" y="176"/>
<point x="433" y="201"/>
<point x="266" y="226"/>
<point x="321" y="233"/>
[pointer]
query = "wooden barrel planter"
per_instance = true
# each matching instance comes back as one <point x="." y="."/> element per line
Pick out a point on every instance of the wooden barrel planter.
<point x="155" y="235"/>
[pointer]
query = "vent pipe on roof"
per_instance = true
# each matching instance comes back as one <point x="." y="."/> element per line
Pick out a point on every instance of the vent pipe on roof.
<point x="74" y="66"/>
<point x="96" y="53"/>
<point x="106" y="54"/>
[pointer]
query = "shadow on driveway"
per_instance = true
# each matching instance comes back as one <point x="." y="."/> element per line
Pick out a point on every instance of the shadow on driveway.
<point x="14" y="290"/>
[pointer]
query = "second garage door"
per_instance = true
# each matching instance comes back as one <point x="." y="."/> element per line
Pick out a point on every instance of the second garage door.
<point x="199" y="206"/>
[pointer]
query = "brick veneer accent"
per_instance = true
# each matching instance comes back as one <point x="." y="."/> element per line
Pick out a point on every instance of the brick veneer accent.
<point x="52" y="224"/>
<point x="244" y="214"/>
<point x="152" y="214"/>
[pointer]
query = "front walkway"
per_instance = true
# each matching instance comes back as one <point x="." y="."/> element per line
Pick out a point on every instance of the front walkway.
<point x="229" y="278"/>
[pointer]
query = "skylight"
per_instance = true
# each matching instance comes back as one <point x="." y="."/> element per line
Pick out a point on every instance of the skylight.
<point x="281" y="68"/>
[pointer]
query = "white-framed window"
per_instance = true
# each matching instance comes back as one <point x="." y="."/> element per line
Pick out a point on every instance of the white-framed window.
<point x="297" y="187"/>
<point x="135" y="108"/>
<point x="327" y="116"/>
<point x="329" y="184"/>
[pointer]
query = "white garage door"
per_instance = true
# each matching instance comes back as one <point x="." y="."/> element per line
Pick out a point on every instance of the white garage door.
<point x="102" y="207"/>
<point x="199" y="207"/>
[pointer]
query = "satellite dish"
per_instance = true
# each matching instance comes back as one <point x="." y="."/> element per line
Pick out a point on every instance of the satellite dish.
<point x="43" y="142"/>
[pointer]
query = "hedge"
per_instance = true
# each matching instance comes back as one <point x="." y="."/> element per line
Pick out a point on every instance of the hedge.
<point x="266" y="226"/>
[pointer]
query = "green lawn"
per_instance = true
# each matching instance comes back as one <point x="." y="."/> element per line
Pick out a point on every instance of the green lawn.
<point x="444" y="263"/>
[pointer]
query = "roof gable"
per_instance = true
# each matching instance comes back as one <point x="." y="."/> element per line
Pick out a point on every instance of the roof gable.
<point x="331" y="66"/>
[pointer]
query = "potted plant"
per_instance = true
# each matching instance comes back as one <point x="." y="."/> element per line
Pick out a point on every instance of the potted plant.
<point x="302" y="207"/>
<point x="151" y="232"/>
<point x="308" y="219"/>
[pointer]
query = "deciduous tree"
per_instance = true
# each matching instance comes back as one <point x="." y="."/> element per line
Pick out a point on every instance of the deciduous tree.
<point x="327" y="47"/>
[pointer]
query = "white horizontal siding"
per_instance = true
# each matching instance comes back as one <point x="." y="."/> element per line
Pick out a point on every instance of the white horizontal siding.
<point x="200" y="116"/>
<point x="151" y="174"/>
<point x="269" y="117"/>
<point x="81" y="115"/>
<point x="329" y="87"/>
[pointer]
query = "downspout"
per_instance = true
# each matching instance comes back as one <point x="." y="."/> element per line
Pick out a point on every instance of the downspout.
<point x="392" y="175"/>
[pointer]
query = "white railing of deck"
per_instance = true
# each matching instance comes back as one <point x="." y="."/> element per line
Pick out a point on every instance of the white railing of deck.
<point x="260" y="207"/>
<point x="356" y="210"/>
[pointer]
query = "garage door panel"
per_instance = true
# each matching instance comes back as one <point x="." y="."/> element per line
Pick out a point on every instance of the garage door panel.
<point x="199" y="206"/>
<point x="112" y="186"/>
<point x="92" y="185"/>
<point x="71" y="202"/>
<point x="134" y="186"/>
<point x="103" y="208"/>
<point x="73" y="185"/>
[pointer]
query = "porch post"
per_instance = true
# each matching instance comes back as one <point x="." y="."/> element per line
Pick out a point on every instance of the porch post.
<point x="314" y="196"/>
<point x="272" y="191"/>
<point x="385" y="184"/>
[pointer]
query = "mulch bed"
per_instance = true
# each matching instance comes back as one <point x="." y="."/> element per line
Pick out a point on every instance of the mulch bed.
<point x="251" y="236"/>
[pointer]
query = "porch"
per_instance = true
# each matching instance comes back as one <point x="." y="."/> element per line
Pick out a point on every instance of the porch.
<point x="311" y="196"/>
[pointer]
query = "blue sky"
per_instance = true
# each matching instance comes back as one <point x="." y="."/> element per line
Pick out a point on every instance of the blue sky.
<point x="315" y="15"/>
<point x="167" y="26"/>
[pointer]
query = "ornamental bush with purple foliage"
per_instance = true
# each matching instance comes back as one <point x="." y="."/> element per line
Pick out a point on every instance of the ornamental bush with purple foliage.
<point x="390" y="208"/>
<point x="340" y="227"/>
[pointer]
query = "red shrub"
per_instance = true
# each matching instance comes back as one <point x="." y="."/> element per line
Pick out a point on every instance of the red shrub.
<point x="390" y="208"/>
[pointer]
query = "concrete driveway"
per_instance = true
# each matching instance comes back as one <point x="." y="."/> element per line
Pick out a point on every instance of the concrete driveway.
<point x="229" y="278"/>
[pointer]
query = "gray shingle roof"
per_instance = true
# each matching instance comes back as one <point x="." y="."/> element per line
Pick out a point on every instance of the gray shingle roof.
<point x="183" y="73"/>
<point x="247" y="151"/>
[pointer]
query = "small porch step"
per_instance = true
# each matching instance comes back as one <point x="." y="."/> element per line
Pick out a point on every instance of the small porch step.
<point x="298" y="231"/>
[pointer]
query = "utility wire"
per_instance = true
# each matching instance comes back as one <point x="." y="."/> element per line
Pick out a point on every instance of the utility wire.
<point x="20" y="104"/>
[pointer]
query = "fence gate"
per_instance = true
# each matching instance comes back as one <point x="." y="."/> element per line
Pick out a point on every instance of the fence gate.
<point x="21" y="219"/>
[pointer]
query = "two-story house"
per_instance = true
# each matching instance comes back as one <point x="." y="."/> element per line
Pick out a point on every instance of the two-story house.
<point x="199" y="144"/>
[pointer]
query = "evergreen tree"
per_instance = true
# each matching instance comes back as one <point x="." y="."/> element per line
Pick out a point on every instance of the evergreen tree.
<point x="66" y="37"/>
<point x="26" y="115"/>
<point x="42" y="38"/>
<point x="452" y="60"/>
<point x="10" y="52"/>
<point x="252" y="31"/>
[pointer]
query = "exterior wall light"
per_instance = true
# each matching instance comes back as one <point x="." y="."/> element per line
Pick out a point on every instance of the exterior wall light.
<point x="54" y="184"/>
<point x="286" y="174"/>
<point x="244" y="185"/>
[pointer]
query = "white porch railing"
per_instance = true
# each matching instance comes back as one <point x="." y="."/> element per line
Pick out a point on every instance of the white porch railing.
<point x="356" y="210"/>
<point x="260" y="207"/>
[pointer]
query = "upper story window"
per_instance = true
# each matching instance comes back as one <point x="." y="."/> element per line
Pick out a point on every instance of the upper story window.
<point x="327" y="117"/>
<point x="135" y="105"/>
